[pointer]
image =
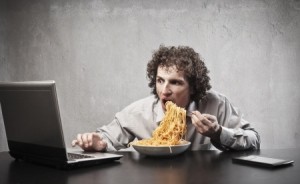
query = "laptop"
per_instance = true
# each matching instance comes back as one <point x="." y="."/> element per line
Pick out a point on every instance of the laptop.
<point x="33" y="127"/>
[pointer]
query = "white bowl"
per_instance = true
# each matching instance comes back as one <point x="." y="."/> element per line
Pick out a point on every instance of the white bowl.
<point x="162" y="150"/>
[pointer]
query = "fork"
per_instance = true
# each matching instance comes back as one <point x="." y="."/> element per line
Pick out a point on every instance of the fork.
<point x="189" y="113"/>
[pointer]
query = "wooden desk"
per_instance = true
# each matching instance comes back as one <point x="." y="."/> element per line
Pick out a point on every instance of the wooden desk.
<point x="209" y="167"/>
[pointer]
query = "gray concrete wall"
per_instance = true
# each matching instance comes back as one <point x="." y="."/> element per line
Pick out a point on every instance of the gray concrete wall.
<point x="97" y="53"/>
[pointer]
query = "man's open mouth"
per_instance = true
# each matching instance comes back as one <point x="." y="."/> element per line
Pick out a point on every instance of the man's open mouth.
<point x="164" y="101"/>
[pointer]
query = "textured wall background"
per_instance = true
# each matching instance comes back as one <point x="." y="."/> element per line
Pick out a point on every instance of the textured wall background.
<point x="97" y="53"/>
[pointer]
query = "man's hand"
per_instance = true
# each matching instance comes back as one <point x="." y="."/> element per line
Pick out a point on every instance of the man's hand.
<point x="206" y="125"/>
<point x="90" y="142"/>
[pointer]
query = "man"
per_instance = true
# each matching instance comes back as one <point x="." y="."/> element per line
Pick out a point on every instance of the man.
<point x="179" y="75"/>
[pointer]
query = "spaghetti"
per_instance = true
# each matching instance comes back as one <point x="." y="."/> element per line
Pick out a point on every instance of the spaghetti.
<point x="170" y="130"/>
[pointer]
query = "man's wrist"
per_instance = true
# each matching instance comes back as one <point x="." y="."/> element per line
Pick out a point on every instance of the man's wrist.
<point x="217" y="135"/>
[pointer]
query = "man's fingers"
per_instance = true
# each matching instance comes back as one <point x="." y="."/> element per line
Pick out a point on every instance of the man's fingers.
<point x="90" y="142"/>
<point x="205" y="121"/>
<point x="210" y="117"/>
<point x="79" y="139"/>
<point x="74" y="143"/>
<point x="201" y="118"/>
<point x="90" y="139"/>
<point x="87" y="139"/>
<point x="205" y="124"/>
<point x="82" y="140"/>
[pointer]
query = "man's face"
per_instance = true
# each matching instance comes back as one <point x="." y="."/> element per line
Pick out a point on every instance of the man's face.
<point x="171" y="85"/>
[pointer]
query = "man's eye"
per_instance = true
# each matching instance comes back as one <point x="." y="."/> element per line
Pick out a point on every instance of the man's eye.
<point x="176" y="83"/>
<point x="159" y="80"/>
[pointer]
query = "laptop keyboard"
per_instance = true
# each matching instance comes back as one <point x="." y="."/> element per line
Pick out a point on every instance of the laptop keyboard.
<point x="73" y="156"/>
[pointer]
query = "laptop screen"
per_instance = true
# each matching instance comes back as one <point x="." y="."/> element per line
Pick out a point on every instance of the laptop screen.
<point x="31" y="118"/>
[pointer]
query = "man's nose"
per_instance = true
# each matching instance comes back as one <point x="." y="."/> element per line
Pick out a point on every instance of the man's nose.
<point x="166" y="89"/>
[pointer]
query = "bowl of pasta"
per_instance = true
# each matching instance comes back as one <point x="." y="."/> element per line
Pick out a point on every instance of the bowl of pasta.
<point x="162" y="150"/>
<point x="168" y="138"/>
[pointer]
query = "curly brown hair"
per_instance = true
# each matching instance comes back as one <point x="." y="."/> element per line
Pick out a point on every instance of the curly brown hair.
<point x="185" y="59"/>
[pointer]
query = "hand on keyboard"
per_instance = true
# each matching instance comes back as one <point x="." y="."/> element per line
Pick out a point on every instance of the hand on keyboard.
<point x="90" y="142"/>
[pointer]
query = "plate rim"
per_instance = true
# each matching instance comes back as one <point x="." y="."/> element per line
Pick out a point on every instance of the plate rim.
<point x="163" y="146"/>
<point x="145" y="149"/>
